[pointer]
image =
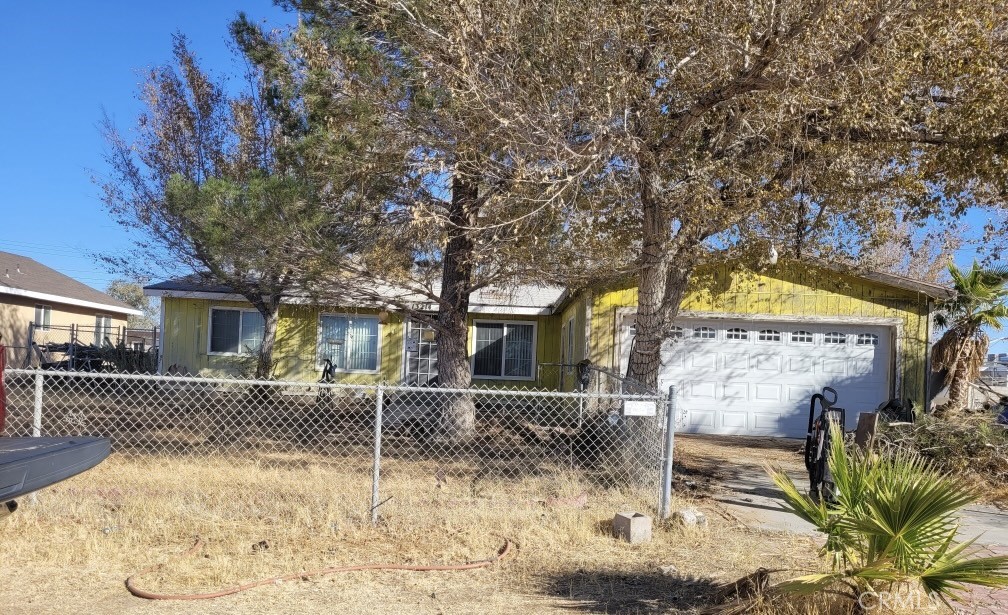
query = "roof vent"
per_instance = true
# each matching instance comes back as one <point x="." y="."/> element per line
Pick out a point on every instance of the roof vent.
<point x="7" y="272"/>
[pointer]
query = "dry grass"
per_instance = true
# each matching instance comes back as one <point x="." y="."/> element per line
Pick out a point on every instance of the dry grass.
<point x="72" y="549"/>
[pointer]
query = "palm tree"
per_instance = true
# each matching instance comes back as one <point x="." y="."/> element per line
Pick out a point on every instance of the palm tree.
<point x="981" y="300"/>
<point x="894" y="525"/>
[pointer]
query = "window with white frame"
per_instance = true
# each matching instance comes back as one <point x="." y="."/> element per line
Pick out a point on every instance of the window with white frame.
<point x="235" y="331"/>
<point x="867" y="339"/>
<point x="704" y="333"/>
<point x="769" y="335"/>
<point x="736" y="333"/>
<point x="43" y="317"/>
<point x="801" y="337"/>
<point x="676" y="333"/>
<point x="103" y="330"/>
<point x="504" y="350"/>
<point x="834" y="337"/>
<point x="349" y="341"/>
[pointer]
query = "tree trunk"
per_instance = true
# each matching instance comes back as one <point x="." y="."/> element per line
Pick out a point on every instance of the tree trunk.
<point x="270" y="311"/>
<point x="958" y="393"/>
<point x="661" y="285"/>
<point x="452" y="332"/>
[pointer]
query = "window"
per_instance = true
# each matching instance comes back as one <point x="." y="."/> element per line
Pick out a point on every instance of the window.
<point x="704" y="333"/>
<point x="103" y="330"/>
<point x="350" y="342"/>
<point x="504" y="350"/>
<point x="834" y="337"/>
<point x="234" y="331"/>
<point x="677" y="333"/>
<point x="769" y="335"/>
<point x="569" y="348"/>
<point x="867" y="339"/>
<point x="43" y="317"/>
<point x="801" y="337"/>
<point x="736" y="333"/>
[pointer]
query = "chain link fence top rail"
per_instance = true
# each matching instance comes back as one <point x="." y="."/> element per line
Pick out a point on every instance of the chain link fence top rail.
<point x="511" y="434"/>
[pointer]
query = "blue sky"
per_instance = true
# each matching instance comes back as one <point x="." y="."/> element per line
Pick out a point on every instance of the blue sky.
<point x="61" y="66"/>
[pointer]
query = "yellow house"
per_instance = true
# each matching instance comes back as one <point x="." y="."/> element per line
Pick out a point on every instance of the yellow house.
<point x="38" y="304"/>
<point x="748" y="352"/>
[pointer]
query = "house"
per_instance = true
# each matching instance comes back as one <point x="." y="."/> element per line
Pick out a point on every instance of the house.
<point x="39" y="304"/>
<point x="749" y="350"/>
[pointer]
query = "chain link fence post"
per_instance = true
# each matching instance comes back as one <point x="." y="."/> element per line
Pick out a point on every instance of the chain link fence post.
<point x="665" y="504"/>
<point x="376" y="472"/>
<point x="37" y="416"/>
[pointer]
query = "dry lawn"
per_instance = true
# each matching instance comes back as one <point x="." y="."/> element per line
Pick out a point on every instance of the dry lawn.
<point x="70" y="550"/>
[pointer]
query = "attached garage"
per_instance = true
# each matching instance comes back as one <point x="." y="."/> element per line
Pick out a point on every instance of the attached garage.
<point x="756" y="377"/>
<point x="752" y="348"/>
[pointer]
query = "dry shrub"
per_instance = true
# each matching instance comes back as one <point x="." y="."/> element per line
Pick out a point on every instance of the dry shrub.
<point x="972" y="446"/>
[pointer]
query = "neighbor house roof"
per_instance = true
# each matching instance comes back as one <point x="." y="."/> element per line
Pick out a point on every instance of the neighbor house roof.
<point x="25" y="277"/>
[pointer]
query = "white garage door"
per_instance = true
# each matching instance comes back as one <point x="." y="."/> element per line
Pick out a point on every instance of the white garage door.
<point x="752" y="378"/>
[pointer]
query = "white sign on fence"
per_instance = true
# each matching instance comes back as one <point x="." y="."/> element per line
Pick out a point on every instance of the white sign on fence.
<point x="639" y="408"/>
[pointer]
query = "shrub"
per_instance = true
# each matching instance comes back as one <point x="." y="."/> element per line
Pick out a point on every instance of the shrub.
<point x="893" y="524"/>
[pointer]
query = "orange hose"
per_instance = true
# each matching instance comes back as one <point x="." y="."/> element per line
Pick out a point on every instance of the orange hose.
<point x="142" y="593"/>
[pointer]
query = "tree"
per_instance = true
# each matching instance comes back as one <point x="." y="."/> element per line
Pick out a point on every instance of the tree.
<point x="912" y="252"/>
<point x="218" y="187"/>
<point x="720" y="129"/>
<point x="132" y="294"/>
<point x="482" y="210"/>
<point x="981" y="300"/>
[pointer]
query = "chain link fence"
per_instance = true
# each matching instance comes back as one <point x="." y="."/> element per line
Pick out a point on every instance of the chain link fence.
<point x="360" y="433"/>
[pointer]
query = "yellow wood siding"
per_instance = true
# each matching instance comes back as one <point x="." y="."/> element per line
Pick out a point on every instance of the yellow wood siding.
<point x="787" y="292"/>
<point x="186" y="328"/>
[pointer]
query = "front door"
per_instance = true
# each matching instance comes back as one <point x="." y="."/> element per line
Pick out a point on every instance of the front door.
<point x="421" y="355"/>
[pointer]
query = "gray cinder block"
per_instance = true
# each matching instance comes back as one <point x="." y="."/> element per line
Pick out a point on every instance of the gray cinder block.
<point x="633" y="527"/>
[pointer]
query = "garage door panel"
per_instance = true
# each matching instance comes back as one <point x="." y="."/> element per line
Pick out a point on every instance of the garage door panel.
<point x="766" y="392"/>
<point x="704" y="361"/>
<point x="768" y="363"/>
<point x="736" y="391"/>
<point x="703" y="390"/>
<point x="763" y="386"/>
<point x="737" y="420"/>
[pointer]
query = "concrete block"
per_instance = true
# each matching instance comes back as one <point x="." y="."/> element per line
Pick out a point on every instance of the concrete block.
<point x="633" y="527"/>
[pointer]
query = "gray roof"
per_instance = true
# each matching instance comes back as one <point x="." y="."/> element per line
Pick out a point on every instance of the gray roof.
<point x="26" y="277"/>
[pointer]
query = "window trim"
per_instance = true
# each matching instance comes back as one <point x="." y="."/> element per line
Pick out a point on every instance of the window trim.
<point x="46" y="308"/>
<point x="100" y="342"/>
<point x="535" y="346"/>
<point x="875" y="339"/>
<point x="739" y="331"/>
<point x="827" y="342"/>
<point x="209" y="330"/>
<point x="349" y="316"/>
<point x="810" y="341"/>
<point x="694" y="334"/>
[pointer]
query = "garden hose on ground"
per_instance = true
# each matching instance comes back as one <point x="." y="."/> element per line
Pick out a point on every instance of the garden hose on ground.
<point x="141" y="593"/>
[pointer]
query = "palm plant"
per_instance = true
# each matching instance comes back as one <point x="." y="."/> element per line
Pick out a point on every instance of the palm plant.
<point x="893" y="524"/>
<point x="981" y="300"/>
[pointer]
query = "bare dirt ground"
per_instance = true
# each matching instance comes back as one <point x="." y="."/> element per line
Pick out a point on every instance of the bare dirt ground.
<point x="71" y="550"/>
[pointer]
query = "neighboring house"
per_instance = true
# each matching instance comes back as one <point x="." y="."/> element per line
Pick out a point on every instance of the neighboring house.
<point x="30" y="293"/>
<point x="750" y="350"/>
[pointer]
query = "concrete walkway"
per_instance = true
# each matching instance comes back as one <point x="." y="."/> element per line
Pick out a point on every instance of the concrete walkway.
<point x="750" y="497"/>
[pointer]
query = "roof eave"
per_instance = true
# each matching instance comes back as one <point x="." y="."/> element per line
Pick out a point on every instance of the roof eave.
<point x="31" y="294"/>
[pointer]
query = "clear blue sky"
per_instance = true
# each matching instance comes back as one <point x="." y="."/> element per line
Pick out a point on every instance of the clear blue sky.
<point x="61" y="66"/>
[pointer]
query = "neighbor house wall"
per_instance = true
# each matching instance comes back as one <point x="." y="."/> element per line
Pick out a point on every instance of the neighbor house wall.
<point x="16" y="313"/>
<point x="785" y="291"/>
